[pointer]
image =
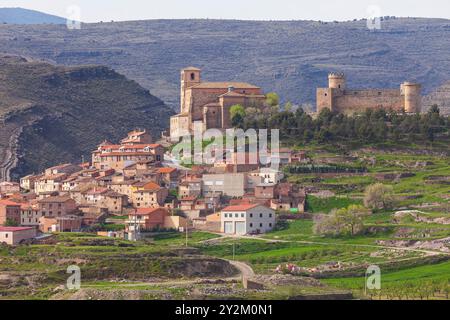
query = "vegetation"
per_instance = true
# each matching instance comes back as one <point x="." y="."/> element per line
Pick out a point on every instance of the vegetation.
<point x="371" y="126"/>
<point x="378" y="196"/>
<point x="341" y="222"/>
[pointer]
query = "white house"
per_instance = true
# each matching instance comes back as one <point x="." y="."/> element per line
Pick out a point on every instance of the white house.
<point x="268" y="175"/>
<point x="247" y="219"/>
<point x="15" y="235"/>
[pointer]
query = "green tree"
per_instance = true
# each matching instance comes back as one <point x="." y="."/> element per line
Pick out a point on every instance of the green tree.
<point x="343" y="221"/>
<point x="11" y="223"/>
<point x="237" y="115"/>
<point x="378" y="196"/>
<point x="272" y="99"/>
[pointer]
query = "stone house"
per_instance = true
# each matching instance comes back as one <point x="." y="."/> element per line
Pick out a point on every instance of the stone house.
<point x="9" y="211"/>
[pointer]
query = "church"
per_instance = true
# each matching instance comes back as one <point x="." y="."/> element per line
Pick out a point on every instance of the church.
<point x="209" y="103"/>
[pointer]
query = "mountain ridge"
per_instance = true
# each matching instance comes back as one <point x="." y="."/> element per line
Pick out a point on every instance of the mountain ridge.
<point x="26" y="16"/>
<point x="292" y="58"/>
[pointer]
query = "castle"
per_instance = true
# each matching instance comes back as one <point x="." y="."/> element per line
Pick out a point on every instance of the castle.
<point x="340" y="99"/>
<point x="209" y="103"/>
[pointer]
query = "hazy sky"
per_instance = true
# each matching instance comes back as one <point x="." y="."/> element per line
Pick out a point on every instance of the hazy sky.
<point x="105" y="10"/>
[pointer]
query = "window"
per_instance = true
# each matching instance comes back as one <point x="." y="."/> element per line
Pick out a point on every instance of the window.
<point x="260" y="225"/>
<point x="251" y="225"/>
<point x="226" y="215"/>
<point x="6" y="235"/>
<point x="251" y="215"/>
<point x="242" y="215"/>
<point x="236" y="215"/>
<point x="192" y="76"/>
<point x="270" y="215"/>
<point x="270" y="224"/>
<point x="260" y="215"/>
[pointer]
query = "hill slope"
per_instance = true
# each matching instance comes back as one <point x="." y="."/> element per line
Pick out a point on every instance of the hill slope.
<point x="26" y="16"/>
<point x="52" y="114"/>
<point x="290" y="57"/>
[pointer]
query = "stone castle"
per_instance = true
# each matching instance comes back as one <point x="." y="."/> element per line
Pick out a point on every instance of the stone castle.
<point x="340" y="99"/>
<point x="209" y="103"/>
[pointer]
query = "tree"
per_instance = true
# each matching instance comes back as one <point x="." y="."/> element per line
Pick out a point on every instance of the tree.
<point x="343" y="221"/>
<point x="378" y="196"/>
<point x="237" y="115"/>
<point x="11" y="223"/>
<point x="272" y="99"/>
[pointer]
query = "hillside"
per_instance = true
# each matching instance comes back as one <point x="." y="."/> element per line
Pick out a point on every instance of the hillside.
<point x="26" y="16"/>
<point x="52" y="114"/>
<point x="290" y="57"/>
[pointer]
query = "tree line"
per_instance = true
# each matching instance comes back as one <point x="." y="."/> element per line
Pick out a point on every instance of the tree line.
<point x="369" y="126"/>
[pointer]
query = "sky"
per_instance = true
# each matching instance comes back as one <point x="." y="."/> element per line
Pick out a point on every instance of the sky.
<point x="326" y="10"/>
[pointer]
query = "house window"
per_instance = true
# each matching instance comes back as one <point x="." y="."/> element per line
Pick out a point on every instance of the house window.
<point x="270" y="215"/>
<point x="260" y="215"/>
<point x="251" y="225"/>
<point x="6" y="235"/>
<point x="261" y="225"/>
<point x="270" y="224"/>
<point x="192" y="76"/>
<point x="236" y="215"/>
<point x="251" y="215"/>
<point x="242" y="215"/>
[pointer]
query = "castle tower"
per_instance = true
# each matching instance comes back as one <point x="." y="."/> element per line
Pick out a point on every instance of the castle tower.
<point x="336" y="80"/>
<point x="412" y="94"/>
<point x="189" y="77"/>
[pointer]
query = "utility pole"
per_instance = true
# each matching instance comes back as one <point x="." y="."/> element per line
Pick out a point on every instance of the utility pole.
<point x="234" y="249"/>
<point x="186" y="227"/>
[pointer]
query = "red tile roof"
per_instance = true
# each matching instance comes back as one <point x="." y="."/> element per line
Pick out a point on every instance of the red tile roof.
<point x="14" y="229"/>
<point x="7" y="202"/>
<point x="241" y="207"/>
<point x="166" y="170"/>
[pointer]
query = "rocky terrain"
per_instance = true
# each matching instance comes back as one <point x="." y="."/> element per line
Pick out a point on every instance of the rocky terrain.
<point x="290" y="57"/>
<point x="52" y="114"/>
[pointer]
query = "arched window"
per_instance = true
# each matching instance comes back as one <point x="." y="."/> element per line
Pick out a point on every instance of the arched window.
<point x="192" y="76"/>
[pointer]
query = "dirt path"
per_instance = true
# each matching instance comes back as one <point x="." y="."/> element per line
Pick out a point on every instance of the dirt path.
<point x="245" y="269"/>
<point x="427" y="252"/>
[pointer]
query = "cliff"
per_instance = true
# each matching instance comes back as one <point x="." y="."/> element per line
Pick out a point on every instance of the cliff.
<point x="51" y="114"/>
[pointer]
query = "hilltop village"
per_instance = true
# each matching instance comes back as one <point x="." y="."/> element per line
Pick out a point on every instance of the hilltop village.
<point x="130" y="188"/>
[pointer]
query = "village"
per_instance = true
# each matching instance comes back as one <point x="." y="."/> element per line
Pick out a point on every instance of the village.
<point x="129" y="183"/>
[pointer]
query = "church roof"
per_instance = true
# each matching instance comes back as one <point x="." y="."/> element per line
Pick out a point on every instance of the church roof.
<point x="224" y="85"/>
<point x="191" y="69"/>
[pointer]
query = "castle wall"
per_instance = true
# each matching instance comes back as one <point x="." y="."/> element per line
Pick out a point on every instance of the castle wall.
<point x="324" y="98"/>
<point x="359" y="100"/>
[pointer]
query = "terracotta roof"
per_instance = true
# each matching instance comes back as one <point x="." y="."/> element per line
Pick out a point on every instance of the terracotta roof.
<point x="55" y="199"/>
<point x="148" y="186"/>
<point x="7" y="202"/>
<point x="241" y="207"/>
<point x="14" y="229"/>
<point x="225" y="85"/>
<point x="126" y="154"/>
<point x="166" y="170"/>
